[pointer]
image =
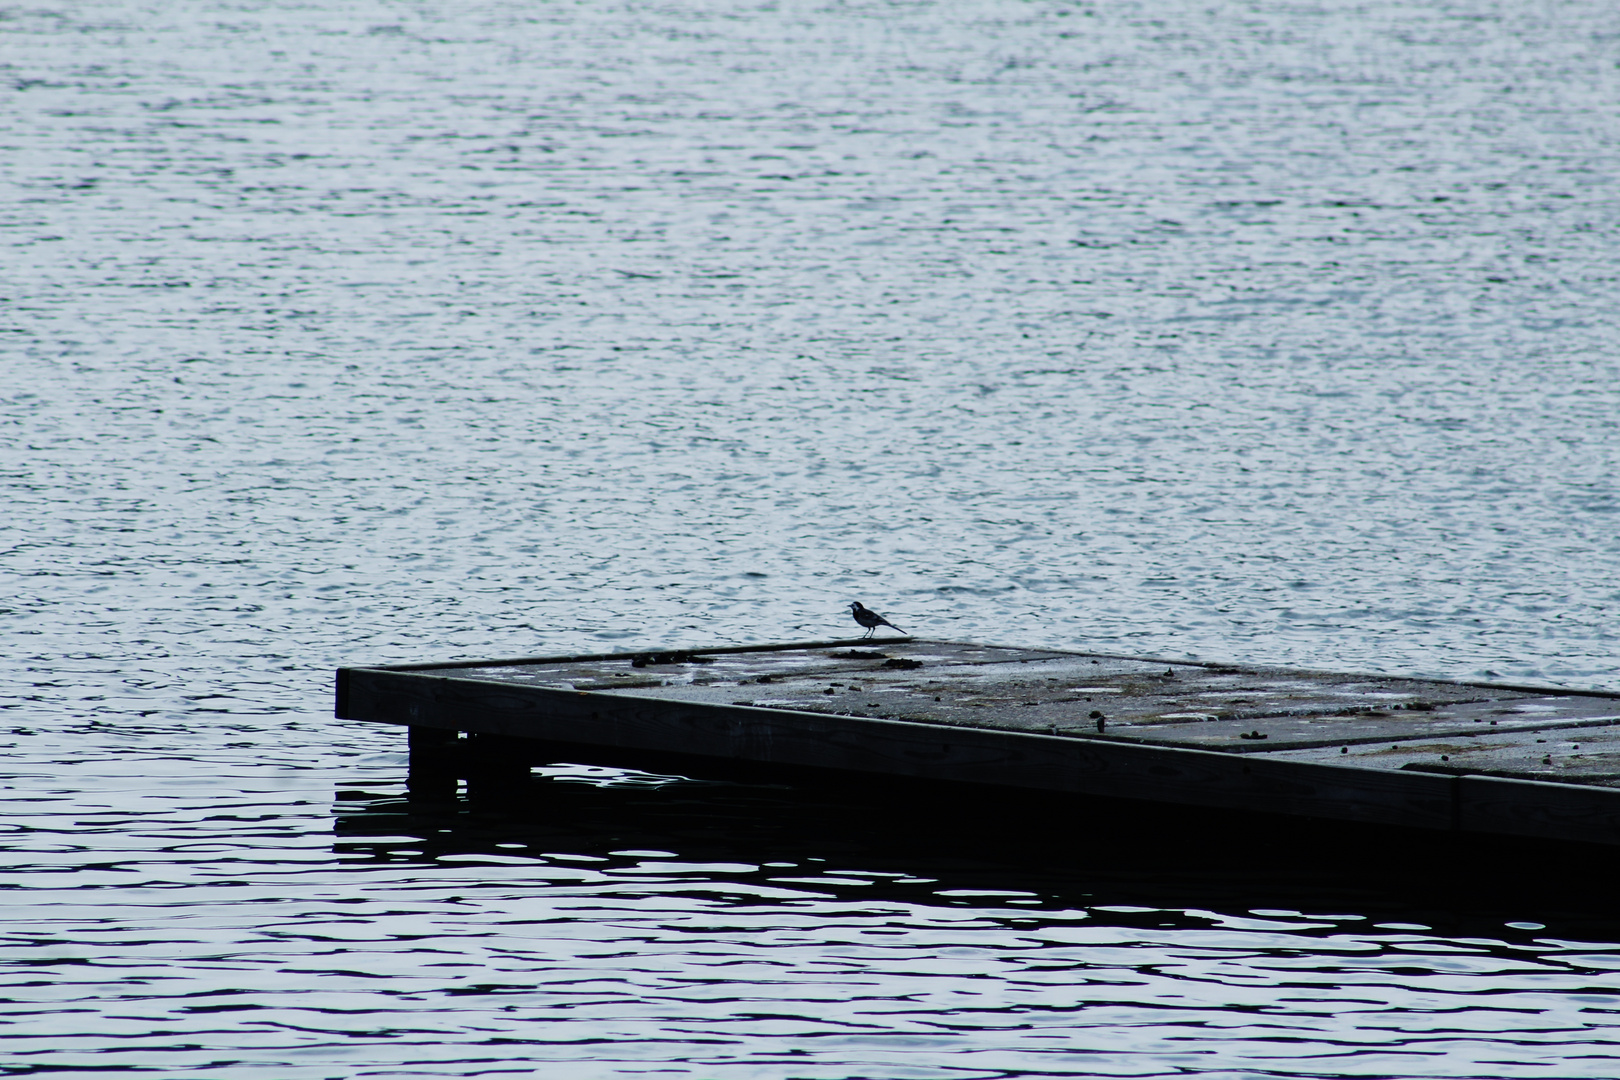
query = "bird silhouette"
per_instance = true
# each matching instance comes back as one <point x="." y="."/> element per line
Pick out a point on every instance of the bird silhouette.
<point x="871" y="619"/>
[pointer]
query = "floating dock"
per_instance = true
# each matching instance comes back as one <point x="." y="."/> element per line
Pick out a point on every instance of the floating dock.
<point x="1427" y="754"/>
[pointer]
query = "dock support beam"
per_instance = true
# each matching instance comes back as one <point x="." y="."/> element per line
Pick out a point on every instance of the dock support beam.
<point x="433" y="773"/>
<point x="494" y="766"/>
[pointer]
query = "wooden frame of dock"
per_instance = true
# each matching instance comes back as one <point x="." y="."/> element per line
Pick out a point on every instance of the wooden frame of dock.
<point x="1425" y="754"/>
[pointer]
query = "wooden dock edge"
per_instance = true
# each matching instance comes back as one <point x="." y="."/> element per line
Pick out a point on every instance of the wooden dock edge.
<point x="611" y="729"/>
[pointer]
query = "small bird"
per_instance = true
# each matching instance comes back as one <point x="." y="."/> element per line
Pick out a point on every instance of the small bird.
<point x="870" y="619"/>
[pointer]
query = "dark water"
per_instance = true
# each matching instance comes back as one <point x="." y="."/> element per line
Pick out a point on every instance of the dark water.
<point x="383" y="332"/>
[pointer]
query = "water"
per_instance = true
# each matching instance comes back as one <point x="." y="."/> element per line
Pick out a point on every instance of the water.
<point x="392" y="332"/>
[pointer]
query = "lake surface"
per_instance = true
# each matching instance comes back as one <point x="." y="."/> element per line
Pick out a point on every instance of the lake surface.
<point x="386" y="332"/>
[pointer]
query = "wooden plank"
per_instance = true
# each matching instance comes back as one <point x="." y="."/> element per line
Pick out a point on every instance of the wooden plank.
<point x="1502" y="806"/>
<point x="1460" y="721"/>
<point x="894" y="747"/>
<point x="1567" y="751"/>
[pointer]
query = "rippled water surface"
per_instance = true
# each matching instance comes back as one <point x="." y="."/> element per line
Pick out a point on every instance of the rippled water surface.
<point x="368" y="332"/>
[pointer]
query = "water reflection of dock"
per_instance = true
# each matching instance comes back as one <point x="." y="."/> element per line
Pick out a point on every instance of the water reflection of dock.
<point x="1427" y="754"/>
